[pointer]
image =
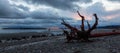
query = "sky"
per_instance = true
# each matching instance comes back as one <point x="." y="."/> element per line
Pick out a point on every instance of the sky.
<point x="48" y="13"/>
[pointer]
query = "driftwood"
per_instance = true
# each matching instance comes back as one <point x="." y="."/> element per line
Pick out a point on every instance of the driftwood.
<point x="79" y="34"/>
<point x="83" y="34"/>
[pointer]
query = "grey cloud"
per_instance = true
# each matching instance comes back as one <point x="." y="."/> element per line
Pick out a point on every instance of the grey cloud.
<point x="102" y="13"/>
<point x="9" y="11"/>
<point x="114" y="0"/>
<point x="85" y="1"/>
<point x="46" y="22"/>
<point x="40" y="18"/>
<point x="100" y="10"/>
<point x="5" y="8"/>
<point x="41" y="15"/>
<point x="30" y="22"/>
<point x="96" y="8"/>
<point x="23" y="7"/>
<point x="47" y="18"/>
<point x="48" y="14"/>
<point x="115" y="20"/>
<point x="60" y="4"/>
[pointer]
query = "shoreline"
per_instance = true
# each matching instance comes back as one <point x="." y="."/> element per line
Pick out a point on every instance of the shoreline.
<point x="35" y="43"/>
<point x="56" y="44"/>
<point x="29" y="35"/>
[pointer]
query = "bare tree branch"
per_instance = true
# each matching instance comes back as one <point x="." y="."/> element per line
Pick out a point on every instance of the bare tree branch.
<point x="76" y="33"/>
<point x="88" y="25"/>
<point x="95" y="24"/>
<point x="83" y="18"/>
<point x="69" y="26"/>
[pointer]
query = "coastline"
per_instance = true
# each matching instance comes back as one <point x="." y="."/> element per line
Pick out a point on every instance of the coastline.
<point x="56" y="44"/>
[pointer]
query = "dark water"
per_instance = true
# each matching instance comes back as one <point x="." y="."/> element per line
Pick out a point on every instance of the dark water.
<point x="28" y="30"/>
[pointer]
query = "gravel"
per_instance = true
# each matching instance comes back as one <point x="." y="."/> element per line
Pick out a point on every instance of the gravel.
<point x="56" y="44"/>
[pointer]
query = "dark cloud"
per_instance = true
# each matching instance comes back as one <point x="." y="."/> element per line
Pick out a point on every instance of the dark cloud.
<point x="48" y="14"/>
<point x="9" y="11"/>
<point x="5" y="8"/>
<point x="60" y="4"/>
<point x="31" y="22"/>
<point x="47" y="17"/>
<point x="41" y="15"/>
<point x="13" y="11"/>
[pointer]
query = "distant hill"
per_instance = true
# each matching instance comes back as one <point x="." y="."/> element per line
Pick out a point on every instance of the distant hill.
<point x="61" y="27"/>
<point x="101" y="27"/>
<point x="23" y="27"/>
<point x="110" y="27"/>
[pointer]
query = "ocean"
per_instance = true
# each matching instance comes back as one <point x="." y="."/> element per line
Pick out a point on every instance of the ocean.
<point x="28" y="30"/>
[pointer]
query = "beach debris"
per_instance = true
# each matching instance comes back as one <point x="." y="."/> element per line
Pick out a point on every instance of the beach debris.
<point x="79" y="34"/>
<point x="3" y="41"/>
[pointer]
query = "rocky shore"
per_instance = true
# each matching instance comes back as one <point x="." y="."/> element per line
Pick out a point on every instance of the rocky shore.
<point x="56" y="44"/>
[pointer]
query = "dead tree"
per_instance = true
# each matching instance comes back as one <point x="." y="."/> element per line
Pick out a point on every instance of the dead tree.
<point x="81" y="34"/>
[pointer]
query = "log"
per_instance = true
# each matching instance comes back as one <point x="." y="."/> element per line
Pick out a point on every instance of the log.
<point x="103" y="34"/>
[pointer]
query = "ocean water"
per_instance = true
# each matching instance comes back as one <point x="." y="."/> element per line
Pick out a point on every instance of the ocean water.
<point x="28" y="30"/>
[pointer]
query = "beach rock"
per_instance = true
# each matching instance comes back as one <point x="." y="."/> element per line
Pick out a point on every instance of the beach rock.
<point x="3" y="41"/>
<point x="55" y="44"/>
<point x="16" y="38"/>
<point x="0" y="41"/>
<point x="43" y="35"/>
<point x="77" y="52"/>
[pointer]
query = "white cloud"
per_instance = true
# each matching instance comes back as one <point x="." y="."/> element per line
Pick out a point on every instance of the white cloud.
<point x="109" y="6"/>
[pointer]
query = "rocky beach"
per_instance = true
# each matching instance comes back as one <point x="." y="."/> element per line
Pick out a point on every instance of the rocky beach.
<point x="56" y="44"/>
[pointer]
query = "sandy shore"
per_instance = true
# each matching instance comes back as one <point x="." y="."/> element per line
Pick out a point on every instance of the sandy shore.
<point x="56" y="44"/>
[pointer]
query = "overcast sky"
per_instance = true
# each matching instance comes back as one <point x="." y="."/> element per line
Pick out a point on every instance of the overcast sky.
<point x="48" y="13"/>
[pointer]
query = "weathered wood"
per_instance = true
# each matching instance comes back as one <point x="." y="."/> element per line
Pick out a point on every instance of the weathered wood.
<point x="95" y="24"/>
<point x="83" y="18"/>
<point x="80" y="34"/>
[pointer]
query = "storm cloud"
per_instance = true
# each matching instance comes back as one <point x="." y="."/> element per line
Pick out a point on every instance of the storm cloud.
<point x="50" y="12"/>
<point x="60" y="4"/>
<point x="9" y="11"/>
